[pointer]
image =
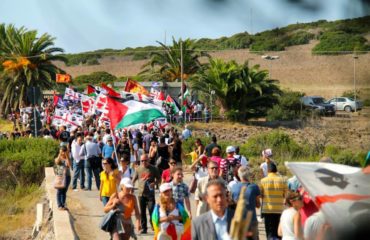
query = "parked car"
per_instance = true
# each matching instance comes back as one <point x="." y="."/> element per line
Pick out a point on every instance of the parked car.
<point x="346" y="104"/>
<point x="318" y="104"/>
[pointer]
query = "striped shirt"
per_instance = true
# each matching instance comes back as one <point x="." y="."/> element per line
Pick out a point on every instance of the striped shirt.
<point x="225" y="163"/>
<point x="273" y="189"/>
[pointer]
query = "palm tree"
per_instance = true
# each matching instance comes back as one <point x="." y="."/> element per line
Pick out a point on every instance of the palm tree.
<point x="25" y="61"/>
<point x="238" y="88"/>
<point x="166" y="64"/>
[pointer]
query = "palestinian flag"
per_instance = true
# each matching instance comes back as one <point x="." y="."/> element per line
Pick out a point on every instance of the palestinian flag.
<point x="124" y="113"/>
<point x="110" y="91"/>
<point x="172" y="104"/>
<point x="91" y="91"/>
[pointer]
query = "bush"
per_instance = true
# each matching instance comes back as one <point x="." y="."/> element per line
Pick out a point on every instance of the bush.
<point x="22" y="161"/>
<point x="289" y="107"/>
<point x="282" y="145"/>
<point x="351" y="94"/>
<point x="95" y="78"/>
<point x="299" y="38"/>
<point x="340" y="42"/>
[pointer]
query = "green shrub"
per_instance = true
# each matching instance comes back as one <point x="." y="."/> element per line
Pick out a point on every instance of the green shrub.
<point x="351" y="93"/>
<point x="340" y="42"/>
<point x="282" y="145"/>
<point x="95" y="78"/>
<point x="92" y="61"/>
<point x="289" y="107"/>
<point x="22" y="161"/>
<point x="366" y="102"/>
<point x="299" y="38"/>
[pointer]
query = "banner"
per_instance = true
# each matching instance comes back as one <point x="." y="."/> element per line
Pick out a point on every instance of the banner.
<point x="341" y="192"/>
<point x="70" y="94"/>
<point x="62" y="117"/>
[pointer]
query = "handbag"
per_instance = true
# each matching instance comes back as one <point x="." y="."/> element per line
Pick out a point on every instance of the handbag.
<point x="193" y="184"/>
<point x="108" y="222"/>
<point x="60" y="178"/>
<point x="60" y="182"/>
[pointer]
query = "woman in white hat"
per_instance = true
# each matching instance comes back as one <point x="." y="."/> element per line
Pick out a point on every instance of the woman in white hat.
<point x="127" y="203"/>
<point x="167" y="216"/>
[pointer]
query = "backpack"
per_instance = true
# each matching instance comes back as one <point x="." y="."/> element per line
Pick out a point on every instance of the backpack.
<point x="231" y="166"/>
<point x="64" y="136"/>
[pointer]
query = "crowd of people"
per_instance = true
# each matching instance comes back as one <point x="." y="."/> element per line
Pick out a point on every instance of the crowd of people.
<point x="129" y="165"/>
<point x="152" y="159"/>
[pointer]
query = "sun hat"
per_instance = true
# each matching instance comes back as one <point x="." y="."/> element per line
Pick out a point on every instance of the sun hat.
<point x="267" y="152"/>
<point x="164" y="187"/>
<point x="230" y="149"/>
<point x="126" y="182"/>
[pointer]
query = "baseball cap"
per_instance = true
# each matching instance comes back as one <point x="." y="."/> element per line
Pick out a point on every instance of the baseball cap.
<point x="109" y="138"/>
<point x="267" y="152"/>
<point x="164" y="187"/>
<point x="126" y="182"/>
<point x="230" y="149"/>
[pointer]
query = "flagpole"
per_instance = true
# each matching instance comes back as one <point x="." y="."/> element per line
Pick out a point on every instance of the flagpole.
<point x="182" y="81"/>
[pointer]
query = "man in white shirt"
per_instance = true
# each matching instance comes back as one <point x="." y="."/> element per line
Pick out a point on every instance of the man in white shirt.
<point x="243" y="160"/>
<point x="79" y="163"/>
<point x="186" y="133"/>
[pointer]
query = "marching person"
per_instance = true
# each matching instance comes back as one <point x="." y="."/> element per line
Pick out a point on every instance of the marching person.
<point x="91" y="150"/>
<point x="78" y="171"/>
<point x="148" y="177"/>
<point x="127" y="203"/>
<point x="63" y="165"/>
<point x="109" y="180"/>
<point x="214" y="224"/>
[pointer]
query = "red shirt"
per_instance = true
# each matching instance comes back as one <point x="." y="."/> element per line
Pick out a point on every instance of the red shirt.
<point x="309" y="207"/>
<point x="166" y="175"/>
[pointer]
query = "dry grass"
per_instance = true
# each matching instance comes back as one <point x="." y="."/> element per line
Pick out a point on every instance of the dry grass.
<point x="296" y="69"/>
<point x="6" y="126"/>
<point x="18" y="211"/>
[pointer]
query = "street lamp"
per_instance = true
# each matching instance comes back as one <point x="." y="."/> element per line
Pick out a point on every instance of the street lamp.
<point x="354" y="79"/>
<point x="270" y="58"/>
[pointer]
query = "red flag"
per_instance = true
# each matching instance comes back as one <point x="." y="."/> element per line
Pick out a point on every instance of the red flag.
<point x="90" y="89"/>
<point x="55" y="98"/>
<point x="110" y="91"/>
<point x="161" y="96"/>
<point x="119" y="112"/>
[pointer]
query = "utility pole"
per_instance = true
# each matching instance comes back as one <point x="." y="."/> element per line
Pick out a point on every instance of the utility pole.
<point x="354" y="79"/>
<point x="182" y="80"/>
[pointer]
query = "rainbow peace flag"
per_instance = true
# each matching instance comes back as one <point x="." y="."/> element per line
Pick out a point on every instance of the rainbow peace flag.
<point x="185" y="220"/>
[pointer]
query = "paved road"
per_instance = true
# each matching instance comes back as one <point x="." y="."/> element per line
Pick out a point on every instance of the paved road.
<point x="86" y="212"/>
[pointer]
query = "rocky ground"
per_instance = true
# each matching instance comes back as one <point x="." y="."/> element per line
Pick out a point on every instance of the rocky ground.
<point x="347" y="131"/>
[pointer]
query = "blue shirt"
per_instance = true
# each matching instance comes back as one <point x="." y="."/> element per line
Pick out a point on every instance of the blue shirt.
<point x="250" y="196"/>
<point x="107" y="151"/>
<point x="220" y="224"/>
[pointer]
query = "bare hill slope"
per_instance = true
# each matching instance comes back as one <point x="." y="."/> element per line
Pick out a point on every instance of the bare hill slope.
<point x="296" y="69"/>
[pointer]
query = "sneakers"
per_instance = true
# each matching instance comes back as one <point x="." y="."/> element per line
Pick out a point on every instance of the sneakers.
<point x="259" y="219"/>
<point x="75" y="190"/>
<point x="143" y="231"/>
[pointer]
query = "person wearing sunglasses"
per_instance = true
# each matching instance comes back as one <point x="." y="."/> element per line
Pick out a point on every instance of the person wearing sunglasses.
<point x="148" y="177"/>
<point x="166" y="174"/>
<point x="200" y="192"/>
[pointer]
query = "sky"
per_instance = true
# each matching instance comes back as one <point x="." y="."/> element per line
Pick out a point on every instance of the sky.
<point x="86" y="25"/>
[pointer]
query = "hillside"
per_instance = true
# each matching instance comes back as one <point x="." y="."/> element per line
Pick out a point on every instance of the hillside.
<point x="297" y="69"/>
<point x="316" y="58"/>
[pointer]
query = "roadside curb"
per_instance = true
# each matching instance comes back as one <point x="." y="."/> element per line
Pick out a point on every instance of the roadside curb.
<point x="61" y="219"/>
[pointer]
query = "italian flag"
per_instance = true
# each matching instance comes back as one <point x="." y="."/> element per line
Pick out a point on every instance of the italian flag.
<point x="124" y="113"/>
